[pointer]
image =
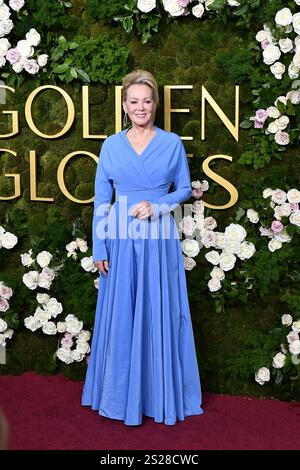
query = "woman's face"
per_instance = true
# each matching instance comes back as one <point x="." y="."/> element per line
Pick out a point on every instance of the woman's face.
<point x="139" y="104"/>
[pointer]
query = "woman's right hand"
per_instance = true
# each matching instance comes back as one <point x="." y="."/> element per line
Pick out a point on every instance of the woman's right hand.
<point x="102" y="266"/>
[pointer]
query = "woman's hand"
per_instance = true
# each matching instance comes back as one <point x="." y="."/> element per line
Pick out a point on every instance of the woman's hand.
<point x="142" y="210"/>
<point x="102" y="266"/>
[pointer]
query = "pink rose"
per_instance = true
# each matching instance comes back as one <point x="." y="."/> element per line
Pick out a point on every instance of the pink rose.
<point x="13" y="55"/>
<point x="276" y="226"/>
<point x="294" y="206"/>
<point x="4" y="305"/>
<point x="261" y="115"/>
<point x="5" y="292"/>
<point x="258" y="125"/>
<point x="197" y="193"/>
<point x="264" y="44"/>
<point x="183" y="3"/>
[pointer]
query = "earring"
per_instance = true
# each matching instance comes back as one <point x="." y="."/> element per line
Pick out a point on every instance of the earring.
<point x="125" y="119"/>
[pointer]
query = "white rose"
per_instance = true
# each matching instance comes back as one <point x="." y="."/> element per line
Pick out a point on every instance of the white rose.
<point x="295" y="218"/>
<point x="18" y="67"/>
<point x="16" y="5"/>
<point x="4" y="46"/>
<point x="278" y="196"/>
<point x="42" y="298"/>
<point x="188" y="225"/>
<point x="293" y="195"/>
<point x="210" y="223"/>
<point x="232" y="246"/>
<point x="5" y="27"/>
<point x="8" y="240"/>
<point x="281" y="99"/>
<point x="204" y="185"/>
<point x="282" y="122"/>
<point x="283" y="236"/>
<point x="73" y="326"/>
<point x="271" y="54"/>
<point x="296" y="23"/>
<point x="42" y="60"/>
<point x="273" y="112"/>
<point x="294" y="96"/>
<point x="189" y="263"/>
<point x="190" y="247"/>
<point x="26" y="259"/>
<point x="247" y="250"/>
<point x="4" y="305"/>
<point x="199" y="219"/>
<point x="273" y="127"/>
<point x="25" y="49"/>
<point x="54" y="307"/>
<point x="293" y="71"/>
<point x="284" y="17"/>
<point x="217" y="273"/>
<point x="76" y="355"/>
<point x="261" y="36"/>
<point x="82" y="244"/>
<point x="296" y="326"/>
<point x="294" y="347"/>
<point x="214" y="285"/>
<point x="227" y="261"/>
<point x="32" y="323"/>
<point x="64" y="355"/>
<point x="296" y="59"/>
<point x="41" y="316"/>
<point x="196" y="184"/>
<point x="61" y="327"/>
<point x="44" y="258"/>
<point x="49" y="328"/>
<point x="198" y="207"/>
<point x="172" y="7"/>
<point x="71" y="247"/>
<point x="33" y="37"/>
<point x="146" y="5"/>
<point x="278" y="360"/>
<point x="220" y="240"/>
<point x="235" y="232"/>
<point x="252" y="216"/>
<point x="262" y="375"/>
<point x="209" y="239"/>
<point x="31" y="279"/>
<point x="31" y="66"/>
<point x="267" y="193"/>
<point x="84" y="335"/>
<point x="285" y="209"/>
<point x="292" y="336"/>
<point x="3" y="325"/>
<point x="87" y="264"/>
<point x="274" y="245"/>
<point x="198" y="10"/>
<point x="213" y="257"/>
<point x="278" y="70"/>
<point x="83" y="347"/>
<point x="287" y="319"/>
<point x="286" y="45"/>
<point x="4" y="12"/>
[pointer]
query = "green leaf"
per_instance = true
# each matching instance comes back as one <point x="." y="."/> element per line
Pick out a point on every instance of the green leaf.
<point x="246" y="124"/>
<point x="83" y="75"/>
<point x="61" y="68"/>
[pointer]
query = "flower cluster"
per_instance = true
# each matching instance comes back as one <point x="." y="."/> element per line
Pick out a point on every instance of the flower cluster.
<point x="290" y="350"/>
<point x="71" y="327"/>
<point x="7" y="240"/>
<point x="276" y="121"/>
<point x="87" y="262"/>
<point x="5" y="332"/>
<point x="181" y="7"/>
<point x="231" y="242"/>
<point x="285" y="204"/>
<point x="34" y="279"/>
<point x="21" y="56"/>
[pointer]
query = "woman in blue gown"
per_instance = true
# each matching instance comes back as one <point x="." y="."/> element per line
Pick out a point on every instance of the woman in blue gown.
<point x="143" y="359"/>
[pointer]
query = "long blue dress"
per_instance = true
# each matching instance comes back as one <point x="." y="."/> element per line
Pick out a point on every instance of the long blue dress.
<point x="143" y="359"/>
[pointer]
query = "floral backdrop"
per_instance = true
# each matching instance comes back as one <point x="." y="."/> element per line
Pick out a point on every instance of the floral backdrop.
<point x="242" y="263"/>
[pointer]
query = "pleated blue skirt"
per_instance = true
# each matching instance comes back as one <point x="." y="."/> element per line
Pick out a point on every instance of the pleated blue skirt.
<point x="143" y="358"/>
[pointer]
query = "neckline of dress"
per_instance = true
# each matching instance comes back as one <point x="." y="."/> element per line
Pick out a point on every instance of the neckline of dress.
<point x="139" y="155"/>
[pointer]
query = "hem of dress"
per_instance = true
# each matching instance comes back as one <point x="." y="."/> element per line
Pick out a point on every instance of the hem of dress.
<point x="168" y="422"/>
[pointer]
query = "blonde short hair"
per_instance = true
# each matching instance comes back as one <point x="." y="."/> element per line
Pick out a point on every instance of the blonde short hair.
<point x="140" y="76"/>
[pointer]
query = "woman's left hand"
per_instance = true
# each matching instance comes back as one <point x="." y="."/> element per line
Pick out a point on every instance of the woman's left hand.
<point x="142" y="210"/>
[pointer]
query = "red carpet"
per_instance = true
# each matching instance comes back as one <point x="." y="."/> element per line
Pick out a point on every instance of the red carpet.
<point x="45" y="413"/>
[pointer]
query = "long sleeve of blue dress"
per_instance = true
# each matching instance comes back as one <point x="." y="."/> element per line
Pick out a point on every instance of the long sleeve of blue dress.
<point x="182" y="183"/>
<point x="102" y="202"/>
